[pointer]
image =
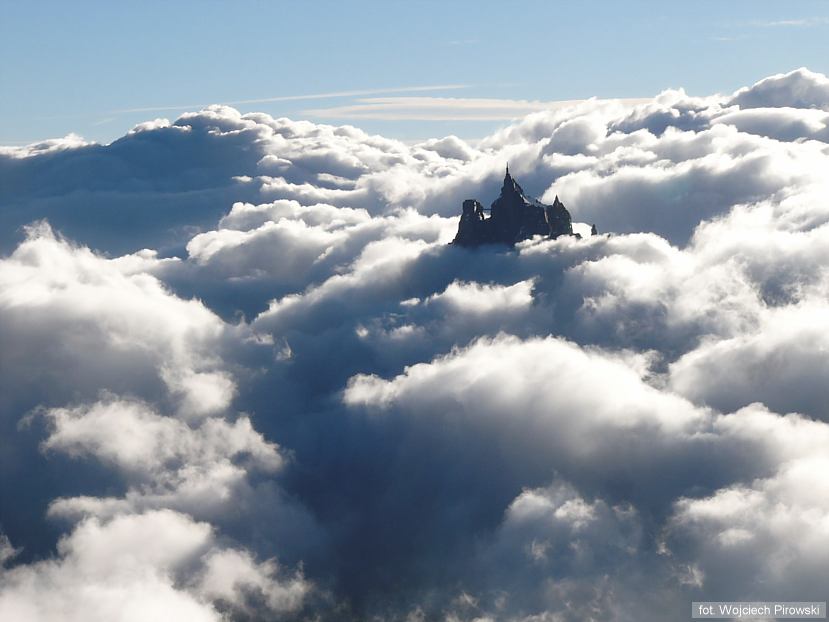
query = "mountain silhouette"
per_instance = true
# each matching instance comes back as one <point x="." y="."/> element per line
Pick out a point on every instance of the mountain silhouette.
<point x="514" y="216"/>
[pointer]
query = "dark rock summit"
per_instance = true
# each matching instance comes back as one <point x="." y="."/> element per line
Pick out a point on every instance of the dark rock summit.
<point x="514" y="216"/>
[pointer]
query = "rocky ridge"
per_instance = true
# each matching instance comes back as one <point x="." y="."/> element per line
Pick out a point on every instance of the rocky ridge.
<point x="514" y="216"/>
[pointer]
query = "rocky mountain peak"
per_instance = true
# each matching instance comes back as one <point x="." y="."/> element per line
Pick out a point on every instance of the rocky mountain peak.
<point x="514" y="216"/>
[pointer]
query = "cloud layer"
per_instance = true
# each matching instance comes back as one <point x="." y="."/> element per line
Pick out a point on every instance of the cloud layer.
<point x="245" y="376"/>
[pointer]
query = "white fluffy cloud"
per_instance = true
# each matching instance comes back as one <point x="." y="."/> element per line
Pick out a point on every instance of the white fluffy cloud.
<point x="62" y="303"/>
<point x="797" y="89"/>
<point x="168" y="462"/>
<point x="551" y="406"/>
<point x="102" y="348"/>
<point x="159" y="565"/>
<point x="776" y="524"/>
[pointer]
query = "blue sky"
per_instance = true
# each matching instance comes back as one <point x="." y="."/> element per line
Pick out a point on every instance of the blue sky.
<point x="97" y="68"/>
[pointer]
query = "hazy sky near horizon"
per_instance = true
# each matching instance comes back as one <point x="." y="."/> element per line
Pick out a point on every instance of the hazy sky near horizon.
<point x="404" y="69"/>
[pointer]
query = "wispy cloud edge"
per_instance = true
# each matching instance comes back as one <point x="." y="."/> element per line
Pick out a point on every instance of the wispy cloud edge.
<point x="309" y="96"/>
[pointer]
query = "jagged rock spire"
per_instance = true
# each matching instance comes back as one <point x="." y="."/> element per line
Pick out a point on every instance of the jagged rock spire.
<point x="514" y="216"/>
<point x="510" y="185"/>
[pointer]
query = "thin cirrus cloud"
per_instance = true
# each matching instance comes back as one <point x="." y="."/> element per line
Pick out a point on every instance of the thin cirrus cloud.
<point x="804" y="22"/>
<point x="308" y="96"/>
<point x="757" y="25"/>
<point x="443" y="108"/>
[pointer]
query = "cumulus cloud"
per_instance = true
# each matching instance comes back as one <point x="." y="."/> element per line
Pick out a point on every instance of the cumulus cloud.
<point x="159" y="565"/>
<point x="797" y="89"/>
<point x="254" y="379"/>
<point x="168" y="463"/>
<point x="785" y="353"/>
<point x="550" y="418"/>
<point x="62" y="303"/>
<point x="79" y="327"/>
<point x="774" y="522"/>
